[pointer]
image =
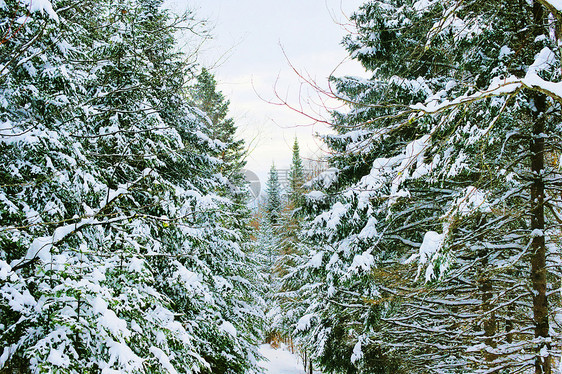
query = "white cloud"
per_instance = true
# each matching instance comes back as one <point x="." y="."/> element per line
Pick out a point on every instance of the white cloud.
<point x="250" y="33"/>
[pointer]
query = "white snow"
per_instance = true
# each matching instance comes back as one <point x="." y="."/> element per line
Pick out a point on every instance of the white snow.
<point x="357" y="354"/>
<point x="99" y="305"/>
<point x="450" y="85"/>
<point x="41" y="246"/>
<point x="338" y="211"/>
<point x="304" y="322"/>
<point x="543" y="60"/>
<point x="363" y="261"/>
<point x="18" y="299"/>
<point x="191" y="281"/>
<point x="502" y="86"/>
<point x="228" y="328"/>
<point x="108" y="319"/>
<point x="41" y="6"/>
<point x="532" y="80"/>
<point x="431" y="243"/>
<point x="370" y="229"/>
<point x="472" y="200"/>
<point x="544" y="351"/>
<point x="5" y="270"/>
<point x="332" y="217"/>
<point x="315" y="196"/>
<point x="537" y="233"/>
<point x="279" y="361"/>
<point x="123" y="355"/>
<point x="113" y="194"/>
<point x="498" y="86"/>
<point x="505" y="51"/>
<point x="316" y="260"/>
<point x="459" y="165"/>
<point x="477" y="347"/>
<point x="7" y="353"/>
<point x="113" y="323"/>
<point x="407" y="165"/>
<point x="58" y="358"/>
<point x="326" y="178"/>
<point x="163" y="359"/>
<point x="423" y="5"/>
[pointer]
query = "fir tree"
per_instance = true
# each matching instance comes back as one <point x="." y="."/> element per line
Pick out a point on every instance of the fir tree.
<point x="273" y="206"/>
<point x="214" y="110"/>
<point x="124" y="258"/>
<point x="420" y="255"/>
<point x="296" y="178"/>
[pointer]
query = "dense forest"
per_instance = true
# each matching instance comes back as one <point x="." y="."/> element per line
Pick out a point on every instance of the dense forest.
<point x="124" y="246"/>
<point x="430" y="242"/>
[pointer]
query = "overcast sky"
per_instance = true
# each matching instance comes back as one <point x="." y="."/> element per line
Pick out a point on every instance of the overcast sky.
<point x="249" y="37"/>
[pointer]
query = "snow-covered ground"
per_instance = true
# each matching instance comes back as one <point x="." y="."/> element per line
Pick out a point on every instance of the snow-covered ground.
<point x="280" y="361"/>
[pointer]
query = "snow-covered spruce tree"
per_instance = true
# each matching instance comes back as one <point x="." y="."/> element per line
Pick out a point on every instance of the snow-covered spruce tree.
<point x="213" y="111"/>
<point x="273" y="203"/>
<point x="490" y="153"/>
<point x="268" y="245"/>
<point x="269" y="238"/>
<point x="289" y="224"/>
<point x="440" y="243"/>
<point x="114" y="257"/>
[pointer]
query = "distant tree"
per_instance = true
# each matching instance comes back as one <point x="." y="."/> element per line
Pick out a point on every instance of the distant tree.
<point x="290" y="242"/>
<point x="274" y="206"/>
<point x="296" y="178"/>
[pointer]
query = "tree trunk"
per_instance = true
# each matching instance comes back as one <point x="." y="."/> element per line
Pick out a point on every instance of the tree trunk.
<point x="509" y="321"/>
<point x="538" y="245"/>
<point x="486" y="291"/>
<point x="490" y="321"/>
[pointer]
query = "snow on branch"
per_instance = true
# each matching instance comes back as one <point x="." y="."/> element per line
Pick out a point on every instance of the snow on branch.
<point x="40" y="247"/>
<point x="498" y="87"/>
<point x="41" y="6"/>
<point x="506" y="86"/>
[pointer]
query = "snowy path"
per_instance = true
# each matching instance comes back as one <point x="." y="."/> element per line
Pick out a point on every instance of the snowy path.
<point x="280" y="361"/>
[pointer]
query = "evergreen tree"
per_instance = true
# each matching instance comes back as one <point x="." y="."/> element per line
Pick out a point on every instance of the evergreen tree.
<point x="289" y="224"/>
<point x="268" y="243"/>
<point x="214" y="110"/>
<point x="296" y="178"/>
<point x="273" y="206"/>
<point x="420" y="258"/>
<point x="117" y="253"/>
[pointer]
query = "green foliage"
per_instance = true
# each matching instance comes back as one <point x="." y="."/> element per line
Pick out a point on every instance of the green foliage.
<point x="273" y="206"/>
<point x="214" y="110"/>
<point x="296" y="178"/>
<point x="121" y="251"/>
<point x="419" y="234"/>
